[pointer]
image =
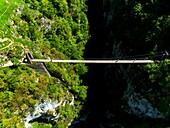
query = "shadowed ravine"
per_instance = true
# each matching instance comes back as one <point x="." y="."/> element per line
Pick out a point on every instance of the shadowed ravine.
<point x="107" y="84"/>
<point x="97" y="95"/>
<point x="94" y="77"/>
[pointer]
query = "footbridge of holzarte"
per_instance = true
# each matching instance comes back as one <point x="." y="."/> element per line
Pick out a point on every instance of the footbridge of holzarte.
<point x="38" y="64"/>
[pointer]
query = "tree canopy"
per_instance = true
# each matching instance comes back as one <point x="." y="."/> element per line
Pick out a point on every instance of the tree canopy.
<point x="56" y="29"/>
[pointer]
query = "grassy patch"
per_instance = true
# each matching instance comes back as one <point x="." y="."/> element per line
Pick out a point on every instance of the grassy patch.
<point x="6" y="11"/>
<point x="7" y="36"/>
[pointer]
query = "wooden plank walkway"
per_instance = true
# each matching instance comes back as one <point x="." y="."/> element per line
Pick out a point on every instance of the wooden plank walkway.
<point x="95" y="61"/>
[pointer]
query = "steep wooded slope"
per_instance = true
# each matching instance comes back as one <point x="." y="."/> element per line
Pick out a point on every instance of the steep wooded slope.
<point x="56" y="29"/>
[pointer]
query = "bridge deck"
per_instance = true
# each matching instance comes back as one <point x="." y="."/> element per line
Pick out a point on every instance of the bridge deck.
<point x="94" y="61"/>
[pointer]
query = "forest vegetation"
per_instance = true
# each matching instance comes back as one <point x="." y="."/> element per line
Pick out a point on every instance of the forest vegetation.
<point x="59" y="29"/>
<point x="55" y="29"/>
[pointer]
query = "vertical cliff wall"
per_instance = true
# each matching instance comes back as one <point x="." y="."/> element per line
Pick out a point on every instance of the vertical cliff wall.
<point x="117" y="93"/>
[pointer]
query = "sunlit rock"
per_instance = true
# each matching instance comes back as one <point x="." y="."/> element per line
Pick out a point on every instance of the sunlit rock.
<point x="41" y="109"/>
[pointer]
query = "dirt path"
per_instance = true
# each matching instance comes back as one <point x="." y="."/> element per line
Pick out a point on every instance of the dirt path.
<point x="5" y="39"/>
<point x="11" y="42"/>
<point x="9" y="63"/>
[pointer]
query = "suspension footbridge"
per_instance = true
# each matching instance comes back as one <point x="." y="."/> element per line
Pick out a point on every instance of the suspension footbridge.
<point x="38" y="64"/>
<point x="127" y="60"/>
<point x="94" y="61"/>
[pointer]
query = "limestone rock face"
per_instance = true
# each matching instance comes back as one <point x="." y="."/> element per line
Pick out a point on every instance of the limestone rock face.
<point x="120" y="80"/>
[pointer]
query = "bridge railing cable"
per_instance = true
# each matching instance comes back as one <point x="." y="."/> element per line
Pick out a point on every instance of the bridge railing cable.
<point x="146" y="58"/>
